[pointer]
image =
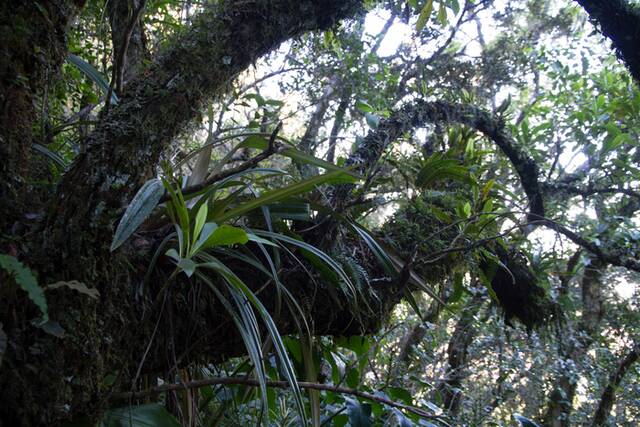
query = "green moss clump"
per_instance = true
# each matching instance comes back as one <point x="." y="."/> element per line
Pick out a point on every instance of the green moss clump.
<point x="421" y="227"/>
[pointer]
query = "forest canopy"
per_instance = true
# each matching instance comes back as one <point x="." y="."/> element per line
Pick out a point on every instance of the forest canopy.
<point x="326" y="213"/>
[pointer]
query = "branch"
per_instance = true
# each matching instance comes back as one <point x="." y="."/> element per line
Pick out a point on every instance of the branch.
<point x="609" y="395"/>
<point x="619" y="260"/>
<point x="164" y="97"/>
<point x="117" y="71"/>
<point x="272" y="149"/>
<point x="619" y="20"/>
<point x="418" y="114"/>
<point x="588" y="191"/>
<point x="278" y="384"/>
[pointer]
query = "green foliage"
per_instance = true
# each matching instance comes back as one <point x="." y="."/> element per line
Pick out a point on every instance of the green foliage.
<point x="93" y="74"/>
<point x="24" y="278"/>
<point x="152" y="414"/>
<point x="428" y="214"/>
<point x="138" y="210"/>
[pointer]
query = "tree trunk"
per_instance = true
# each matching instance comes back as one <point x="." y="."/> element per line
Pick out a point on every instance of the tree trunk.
<point x="451" y="386"/>
<point x="32" y="48"/>
<point x="574" y="348"/>
<point x="608" y="397"/>
<point x="128" y="40"/>
<point x="104" y="341"/>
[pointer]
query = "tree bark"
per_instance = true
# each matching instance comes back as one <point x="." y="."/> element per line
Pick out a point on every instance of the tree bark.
<point x="338" y="121"/>
<point x="128" y="40"/>
<point x="32" y="48"/>
<point x="309" y="141"/>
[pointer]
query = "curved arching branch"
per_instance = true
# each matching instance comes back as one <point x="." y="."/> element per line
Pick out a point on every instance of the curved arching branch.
<point x="420" y="113"/>
<point x="123" y="151"/>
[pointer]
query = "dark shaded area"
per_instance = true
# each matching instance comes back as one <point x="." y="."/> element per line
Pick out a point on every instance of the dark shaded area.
<point x="620" y="22"/>
<point x="516" y="288"/>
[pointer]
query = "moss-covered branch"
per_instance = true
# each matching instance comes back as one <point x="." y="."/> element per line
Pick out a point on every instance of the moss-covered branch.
<point x="420" y="113"/>
<point x="162" y="100"/>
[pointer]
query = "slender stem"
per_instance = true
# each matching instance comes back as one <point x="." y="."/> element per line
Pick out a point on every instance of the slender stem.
<point x="278" y="384"/>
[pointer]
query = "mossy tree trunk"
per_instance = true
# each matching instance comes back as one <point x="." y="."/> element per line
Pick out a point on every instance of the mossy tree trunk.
<point x="44" y="378"/>
<point x="32" y="48"/>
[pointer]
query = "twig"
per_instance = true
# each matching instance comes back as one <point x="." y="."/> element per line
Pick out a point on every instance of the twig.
<point x="278" y="384"/>
<point x="272" y="149"/>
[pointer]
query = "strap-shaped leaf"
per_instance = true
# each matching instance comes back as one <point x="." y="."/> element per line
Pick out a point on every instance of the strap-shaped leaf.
<point x="93" y="74"/>
<point x="138" y="210"/>
<point x="280" y="194"/>
<point x="259" y="142"/>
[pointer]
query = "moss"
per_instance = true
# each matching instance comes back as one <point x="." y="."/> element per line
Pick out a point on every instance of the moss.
<point x="516" y="288"/>
<point x="415" y="227"/>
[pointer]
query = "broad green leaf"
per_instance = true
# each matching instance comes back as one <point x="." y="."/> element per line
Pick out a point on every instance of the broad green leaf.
<point x="188" y="266"/>
<point x="226" y="235"/>
<point x="138" y="210"/>
<point x="283" y="193"/>
<point x="24" y="278"/>
<point x="372" y="120"/>
<point x="467" y="209"/>
<point x="455" y="6"/>
<point x="363" y="107"/>
<point x="436" y="168"/>
<point x="93" y="74"/>
<point x="201" y="218"/>
<point x="399" y="394"/>
<point x="611" y="144"/>
<point x="424" y="16"/>
<point x="442" y="14"/>
<point x="486" y="188"/>
<point x="150" y="415"/>
<point x="207" y="230"/>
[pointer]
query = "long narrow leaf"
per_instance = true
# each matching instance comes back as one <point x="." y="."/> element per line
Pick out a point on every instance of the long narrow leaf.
<point x="286" y="364"/>
<point x="138" y="210"/>
<point x="93" y="74"/>
<point x="55" y="157"/>
<point x="259" y="142"/>
<point x="286" y="192"/>
<point x="315" y="251"/>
